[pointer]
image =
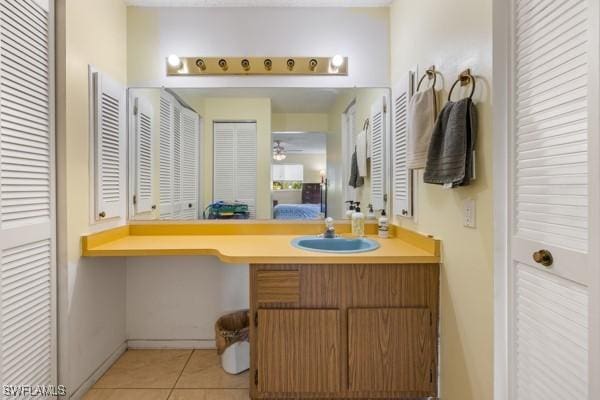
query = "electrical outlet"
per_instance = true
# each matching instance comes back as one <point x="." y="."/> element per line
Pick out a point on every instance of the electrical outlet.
<point x="469" y="213"/>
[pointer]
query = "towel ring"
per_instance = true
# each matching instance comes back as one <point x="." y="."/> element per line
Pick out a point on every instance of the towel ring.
<point x="464" y="78"/>
<point x="430" y="73"/>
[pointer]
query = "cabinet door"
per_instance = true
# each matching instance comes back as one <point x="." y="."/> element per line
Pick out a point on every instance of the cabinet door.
<point x="391" y="350"/>
<point x="298" y="351"/>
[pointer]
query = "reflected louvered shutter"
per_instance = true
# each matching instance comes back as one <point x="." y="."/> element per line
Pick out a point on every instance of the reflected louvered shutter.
<point x="109" y="138"/>
<point x="377" y="124"/>
<point x="144" y="155"/>
<point x="166" y="157"/>
<point x="189" y="164"/>
<point x="176" y="183"/>
<point x="401" y="174"/>
<point x="224" y="162"/>
<point x="27" y="249"/>
<point x="245" y="167"/>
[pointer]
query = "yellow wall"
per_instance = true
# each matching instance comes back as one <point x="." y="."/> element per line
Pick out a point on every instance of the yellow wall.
<point x="91" y="291"/>
<point x="213" y="109"/>
<point x="453" y="35"/>
<point x="300" y="122"/>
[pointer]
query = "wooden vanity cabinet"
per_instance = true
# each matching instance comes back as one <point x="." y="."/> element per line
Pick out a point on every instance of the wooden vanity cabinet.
<point x="344" y="331"/>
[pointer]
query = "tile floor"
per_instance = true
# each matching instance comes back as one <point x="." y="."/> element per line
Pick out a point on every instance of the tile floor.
<point x="169" y="375"/>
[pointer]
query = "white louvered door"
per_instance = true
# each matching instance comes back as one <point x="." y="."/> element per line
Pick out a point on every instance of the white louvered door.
<point x="189" y="164"/>
<point x="550" y="211"/>
<point x="378" y="149"/>
<point x="401" y="174"/>
<point x="109" y="137"/>
<point x="235" y="163"/>
<point x="27" y="246"/>
<point x="144" y="156"/>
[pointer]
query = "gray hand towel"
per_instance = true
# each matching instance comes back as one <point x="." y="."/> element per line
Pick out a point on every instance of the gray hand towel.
<point x="355" y="179"/>
<point x="450" y="154"/>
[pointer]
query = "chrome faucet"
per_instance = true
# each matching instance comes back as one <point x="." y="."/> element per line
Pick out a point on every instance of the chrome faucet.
<point x="329" y="229"/>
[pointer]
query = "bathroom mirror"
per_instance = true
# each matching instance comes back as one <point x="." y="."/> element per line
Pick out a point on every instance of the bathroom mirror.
<point x="257" y="153"/>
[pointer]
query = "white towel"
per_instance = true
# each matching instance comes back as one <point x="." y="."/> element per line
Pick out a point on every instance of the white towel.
<point x="361" y="153"/>
<point x="421" y="120"/>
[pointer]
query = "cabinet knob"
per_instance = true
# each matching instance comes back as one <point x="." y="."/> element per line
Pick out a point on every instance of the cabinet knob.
<point x="153" y="206"/>
<point x="543" y="257"/>
<point x="102" y="214"/>
<point x="189" y="205"/>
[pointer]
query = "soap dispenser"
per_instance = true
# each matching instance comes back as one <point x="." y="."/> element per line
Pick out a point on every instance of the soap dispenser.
<point x="358" y="222"/>
<point x="350" y="210"/>
<point x="371" y="212"/>
<point x="383" y="226"/>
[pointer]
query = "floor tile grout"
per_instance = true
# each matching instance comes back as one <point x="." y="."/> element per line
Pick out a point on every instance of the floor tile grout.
<point x="181" y="373"/>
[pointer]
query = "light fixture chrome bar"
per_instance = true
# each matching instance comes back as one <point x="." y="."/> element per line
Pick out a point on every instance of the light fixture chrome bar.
<point x="195" y="66"/>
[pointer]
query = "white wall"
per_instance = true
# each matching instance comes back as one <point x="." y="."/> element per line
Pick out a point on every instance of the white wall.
<point x="362" y="34"/>
<point x="178" y="299"/>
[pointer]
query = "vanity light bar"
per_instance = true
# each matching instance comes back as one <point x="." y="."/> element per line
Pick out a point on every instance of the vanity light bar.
<point x="191" y="66"/>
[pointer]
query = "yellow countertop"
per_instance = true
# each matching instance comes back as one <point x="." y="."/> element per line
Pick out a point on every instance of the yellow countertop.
<point x="258" y="243"/>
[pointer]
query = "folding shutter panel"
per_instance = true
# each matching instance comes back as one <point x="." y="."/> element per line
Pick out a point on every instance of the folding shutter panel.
<point x="401" y="175"/>
<point x="27" y="250"/>
<point x="166" y="157"/>
<point x="378" y="154"/>
<point x="144" y="155"/>
<point x="109" y="138"/>
<point x="189" y="164"/>
<point x="176" y="183"/>
<point x="224" y="162"/>
<point x="245" y="165"/>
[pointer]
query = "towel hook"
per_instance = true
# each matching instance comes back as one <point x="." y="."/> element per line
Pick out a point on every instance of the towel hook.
<point x="366" y="124"/>
<point x="464" y="78"/>
<point x="429" y="73"/>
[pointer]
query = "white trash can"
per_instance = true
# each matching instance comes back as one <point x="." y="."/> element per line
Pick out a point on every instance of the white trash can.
<point x="236" y="358"/>
<point x="231" y="334"/>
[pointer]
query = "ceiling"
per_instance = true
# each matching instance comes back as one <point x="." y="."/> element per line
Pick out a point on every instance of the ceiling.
<point x="283" y="100"/>
<point x="259" y="3"/>
<point x="302" y="142"/>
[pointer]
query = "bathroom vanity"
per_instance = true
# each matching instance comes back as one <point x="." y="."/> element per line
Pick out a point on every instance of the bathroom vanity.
<point x="344" y="330"/>
<point x="322" y="325"/>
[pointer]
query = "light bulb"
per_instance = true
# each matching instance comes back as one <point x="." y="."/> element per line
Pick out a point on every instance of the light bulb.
<point x="337" y="61"/>
<point x="174" y="61"/>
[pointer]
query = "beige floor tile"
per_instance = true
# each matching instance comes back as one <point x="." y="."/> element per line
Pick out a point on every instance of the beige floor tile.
<point x="204" y="371"/>
<point x="210" y="394"/>
<point x="148" y="369"/>
<point x="127" y="394"/>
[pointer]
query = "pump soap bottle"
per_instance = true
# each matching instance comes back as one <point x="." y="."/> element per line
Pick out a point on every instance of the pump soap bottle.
<point x="358" y="222"/>
<point x="383" y="227"/>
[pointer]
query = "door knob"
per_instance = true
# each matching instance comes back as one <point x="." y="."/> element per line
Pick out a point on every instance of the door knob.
<point x="543" y="257"/>
<point x="102" y="214"/>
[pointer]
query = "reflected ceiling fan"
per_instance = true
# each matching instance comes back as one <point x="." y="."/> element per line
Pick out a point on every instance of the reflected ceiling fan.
<point x="280" y="152"/>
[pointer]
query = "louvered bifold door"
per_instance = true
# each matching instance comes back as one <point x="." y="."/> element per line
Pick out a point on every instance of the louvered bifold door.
<point x="401" y="188"/>
<point x="144" y="155"/>
<point x="377" y="124"/>
<point x="550" y="199"/>
<point x="109" y="147"/>
<point x="224" y="161"/>
<point x="245" y="165"/>
<point x="166" y="157"/>
<point x="189" y="164"/>
<point x="27" y="266"/>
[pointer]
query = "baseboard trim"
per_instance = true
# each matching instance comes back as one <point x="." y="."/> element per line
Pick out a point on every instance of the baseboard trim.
<point x="171" y="344"/>
<point x="97" y="374"/>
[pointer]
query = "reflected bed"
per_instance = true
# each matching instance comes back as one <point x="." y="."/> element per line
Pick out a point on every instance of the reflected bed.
<point x="297" y="211"/>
